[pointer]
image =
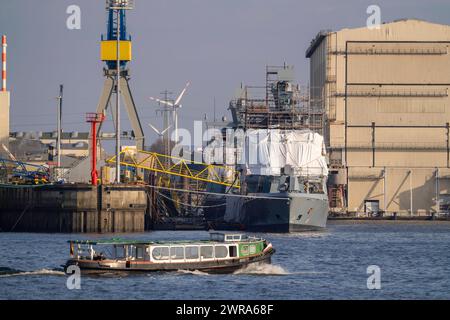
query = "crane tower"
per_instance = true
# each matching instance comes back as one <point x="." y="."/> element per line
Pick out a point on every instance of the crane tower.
<point x="116" y="47"/>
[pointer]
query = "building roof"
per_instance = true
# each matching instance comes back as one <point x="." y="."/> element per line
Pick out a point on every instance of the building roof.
<point x="35" y="150"/>
<point x="74" y="135"/>
<point x="29" y="150"/>
<point x="323" y="33"/>
<point x="316" y="42"/>
<point x="71" y="146"/>
<point x="50" y="135"/>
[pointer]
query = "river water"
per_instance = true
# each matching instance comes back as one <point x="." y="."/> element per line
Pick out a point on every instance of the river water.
<point x="414" y="259"/>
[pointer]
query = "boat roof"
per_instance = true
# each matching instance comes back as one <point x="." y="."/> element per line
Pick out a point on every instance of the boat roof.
<point x="214" y="239"/>
<point x="125" y="241"/>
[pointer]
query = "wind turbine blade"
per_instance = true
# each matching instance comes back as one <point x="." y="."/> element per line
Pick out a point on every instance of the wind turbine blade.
<point x="170" y="104"/>
<point x="154" y="129"/>
<point x="164" y="131"/>
<point x="181" y="94"/>
<point x="9" y="153"/>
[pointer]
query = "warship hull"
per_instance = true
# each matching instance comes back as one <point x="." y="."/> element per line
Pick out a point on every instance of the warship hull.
<point x="280" y="213"/>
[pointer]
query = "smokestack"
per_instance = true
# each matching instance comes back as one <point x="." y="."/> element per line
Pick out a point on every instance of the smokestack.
<point x="4" y="45"/>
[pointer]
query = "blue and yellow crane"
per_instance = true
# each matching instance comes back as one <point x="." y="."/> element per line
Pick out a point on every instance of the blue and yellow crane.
<point x="18" y="172"/>
<point x="108" y="45"/>
<point x="117" y="25"/>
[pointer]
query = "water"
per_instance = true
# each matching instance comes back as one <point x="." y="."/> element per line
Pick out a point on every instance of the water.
<point x="414" y="258"/>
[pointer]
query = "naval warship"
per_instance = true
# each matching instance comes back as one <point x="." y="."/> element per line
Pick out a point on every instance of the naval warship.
<point x="285" y="189"/>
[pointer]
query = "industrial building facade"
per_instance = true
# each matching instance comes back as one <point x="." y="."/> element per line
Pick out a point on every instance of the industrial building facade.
<point x="4" y="121"/>
<point x="386" y="96"/>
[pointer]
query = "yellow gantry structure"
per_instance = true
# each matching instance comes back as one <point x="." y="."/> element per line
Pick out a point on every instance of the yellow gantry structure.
<point x="217" y="174"/>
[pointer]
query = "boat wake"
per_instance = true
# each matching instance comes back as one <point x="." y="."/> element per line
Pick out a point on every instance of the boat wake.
<point x="8" y="272"/>
<point x="194" y="272"/>
<point x="263" y="269"/>
<point x="253" y="269"/>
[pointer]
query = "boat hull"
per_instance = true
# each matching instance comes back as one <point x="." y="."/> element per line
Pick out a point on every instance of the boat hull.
<point x="216" y="266"/>
<point x="279" y="213"/>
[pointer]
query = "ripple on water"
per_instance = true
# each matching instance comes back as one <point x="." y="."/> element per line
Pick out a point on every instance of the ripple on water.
<point x="413" y="258"/>
<point x="8" y="272"/>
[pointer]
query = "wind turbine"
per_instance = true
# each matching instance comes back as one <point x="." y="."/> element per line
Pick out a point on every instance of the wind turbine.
<point x="175" y="106"/>
<point x="159" y="133"/>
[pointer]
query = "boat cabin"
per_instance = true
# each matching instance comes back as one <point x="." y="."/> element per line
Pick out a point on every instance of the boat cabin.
<point x="219" y="247"/>
<point x="222" y="237"/>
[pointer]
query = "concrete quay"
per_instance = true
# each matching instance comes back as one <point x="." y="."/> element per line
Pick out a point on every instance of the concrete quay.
<point x="73" y="208"/>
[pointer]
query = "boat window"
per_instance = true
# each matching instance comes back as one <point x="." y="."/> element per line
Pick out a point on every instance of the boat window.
<point x="132" y="251"/>
<point x="160" y="253"/>
<point x="147" y="252"/>
<point x="233" y="251"/>
<point x="139" y="253"/>
<point x="233" y="237"/>
<point x="120" y="252"/>
<point x="221" y="251"/>
<point x="191" y="252"/>
<point x="206" y="252"/>
<point x="252" y="249"/>
<point x="176" y="253"/>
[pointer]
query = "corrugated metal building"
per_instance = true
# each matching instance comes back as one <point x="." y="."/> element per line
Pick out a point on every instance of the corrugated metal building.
<point x="386" y="96"/>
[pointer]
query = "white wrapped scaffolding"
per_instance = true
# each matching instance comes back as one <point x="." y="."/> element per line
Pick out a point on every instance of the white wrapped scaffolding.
<point x="298" y="152"/>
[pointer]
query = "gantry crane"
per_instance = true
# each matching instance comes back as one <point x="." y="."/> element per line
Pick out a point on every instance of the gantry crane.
<point x="117" y="26"/>
<point x="173" y="166"/>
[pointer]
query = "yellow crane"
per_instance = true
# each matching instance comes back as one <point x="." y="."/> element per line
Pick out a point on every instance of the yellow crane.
<point x="217" y="174"/>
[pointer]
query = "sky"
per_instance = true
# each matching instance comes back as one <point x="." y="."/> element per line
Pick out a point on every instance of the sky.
<point x="214" y="44"/>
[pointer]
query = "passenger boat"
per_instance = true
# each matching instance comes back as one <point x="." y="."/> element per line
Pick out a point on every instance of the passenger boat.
<point x="222" y="253"/>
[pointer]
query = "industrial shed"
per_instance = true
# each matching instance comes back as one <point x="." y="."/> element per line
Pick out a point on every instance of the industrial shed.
<point x="386" y="96"/>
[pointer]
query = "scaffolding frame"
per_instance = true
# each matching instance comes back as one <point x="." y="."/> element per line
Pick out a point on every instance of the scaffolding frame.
<point x="257" y="108"/>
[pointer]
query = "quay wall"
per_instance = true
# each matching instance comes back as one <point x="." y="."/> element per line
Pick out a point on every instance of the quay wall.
<point x="77" y="208"/>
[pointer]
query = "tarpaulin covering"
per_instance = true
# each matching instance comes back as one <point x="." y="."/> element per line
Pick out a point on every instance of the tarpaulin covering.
<point x="298" y="152"/>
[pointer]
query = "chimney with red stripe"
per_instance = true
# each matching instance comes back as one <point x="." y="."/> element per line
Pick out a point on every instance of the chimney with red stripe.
<point x="4" y="105"/>
<point x="4" y="45"/>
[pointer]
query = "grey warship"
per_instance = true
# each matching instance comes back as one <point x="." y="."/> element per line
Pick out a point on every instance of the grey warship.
<point x="286" y="191"/>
